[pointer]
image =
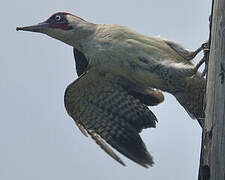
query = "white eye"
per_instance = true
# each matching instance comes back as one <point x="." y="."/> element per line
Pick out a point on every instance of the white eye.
<point x="57" y="18"/>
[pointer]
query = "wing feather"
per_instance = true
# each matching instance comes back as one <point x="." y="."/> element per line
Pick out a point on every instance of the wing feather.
<point x="108" y="113"/>
<point x="151" y="97"/>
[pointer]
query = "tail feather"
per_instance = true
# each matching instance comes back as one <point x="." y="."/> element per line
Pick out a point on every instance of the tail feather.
<point x="192" y="98"/>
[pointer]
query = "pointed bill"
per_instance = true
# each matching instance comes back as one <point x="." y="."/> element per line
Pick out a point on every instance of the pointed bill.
<point x="34" y="28"/>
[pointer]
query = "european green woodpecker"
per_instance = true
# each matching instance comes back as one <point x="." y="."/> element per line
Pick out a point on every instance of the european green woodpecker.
<point x="121" y="72"/>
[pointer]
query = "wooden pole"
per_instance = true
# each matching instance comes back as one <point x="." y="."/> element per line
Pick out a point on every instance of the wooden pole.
<point x="212" y="162"/>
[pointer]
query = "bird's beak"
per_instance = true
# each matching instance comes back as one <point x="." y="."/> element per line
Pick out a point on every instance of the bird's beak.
<point x="41" y="27"/>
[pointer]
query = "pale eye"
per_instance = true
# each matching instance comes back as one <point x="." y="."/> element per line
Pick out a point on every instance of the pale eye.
<point x="57" y="18"/>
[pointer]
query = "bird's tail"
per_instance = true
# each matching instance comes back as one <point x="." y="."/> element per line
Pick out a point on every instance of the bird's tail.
<point x="192" y="98"/>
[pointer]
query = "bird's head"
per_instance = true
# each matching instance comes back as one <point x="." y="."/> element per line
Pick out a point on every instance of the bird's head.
<point x="62" y="26"/>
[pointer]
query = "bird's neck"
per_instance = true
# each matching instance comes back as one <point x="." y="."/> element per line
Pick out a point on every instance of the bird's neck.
<point x="82" y="32"/>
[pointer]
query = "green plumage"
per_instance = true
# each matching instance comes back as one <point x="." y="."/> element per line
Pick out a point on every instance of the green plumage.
<point x="102" y="107"/>
<point x="121" y="72"/>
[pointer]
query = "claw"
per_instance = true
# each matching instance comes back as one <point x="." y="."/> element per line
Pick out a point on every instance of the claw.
<point x="205" y="46"/>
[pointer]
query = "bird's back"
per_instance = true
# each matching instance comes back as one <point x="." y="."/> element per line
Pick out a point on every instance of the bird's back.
<point x="136" y="44"/>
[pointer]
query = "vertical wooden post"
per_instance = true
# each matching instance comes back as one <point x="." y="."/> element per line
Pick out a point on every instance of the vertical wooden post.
<point x="212" y="163"/>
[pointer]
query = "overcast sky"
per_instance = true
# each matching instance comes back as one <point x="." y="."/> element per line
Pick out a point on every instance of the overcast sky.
<point x="39" y="141"/>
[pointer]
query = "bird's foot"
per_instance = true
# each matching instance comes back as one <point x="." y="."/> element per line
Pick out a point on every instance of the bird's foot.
<point x="192" y="54"/>
<point x="205" y="48"/>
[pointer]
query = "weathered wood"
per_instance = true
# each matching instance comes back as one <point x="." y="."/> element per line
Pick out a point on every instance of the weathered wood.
<point x="212" y="163"/>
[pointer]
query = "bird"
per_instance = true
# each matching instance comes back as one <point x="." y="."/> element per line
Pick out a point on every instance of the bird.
<point x="120" y="74"/>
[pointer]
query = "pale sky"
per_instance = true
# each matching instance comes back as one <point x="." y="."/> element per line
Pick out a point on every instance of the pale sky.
<point x="39" y="141"/>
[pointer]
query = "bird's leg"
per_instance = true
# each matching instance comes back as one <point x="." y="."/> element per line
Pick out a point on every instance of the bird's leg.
<point x="192" y="54"/>
<point x="205" y="48"/>
<point x="193" y="71"/>
<point x="185" y="53"/>
<point x="206" y="57"/>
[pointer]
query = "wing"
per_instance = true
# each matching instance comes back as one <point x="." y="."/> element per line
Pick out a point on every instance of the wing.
<point x="150" y="97"/>
<point x="98" y="104"/>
